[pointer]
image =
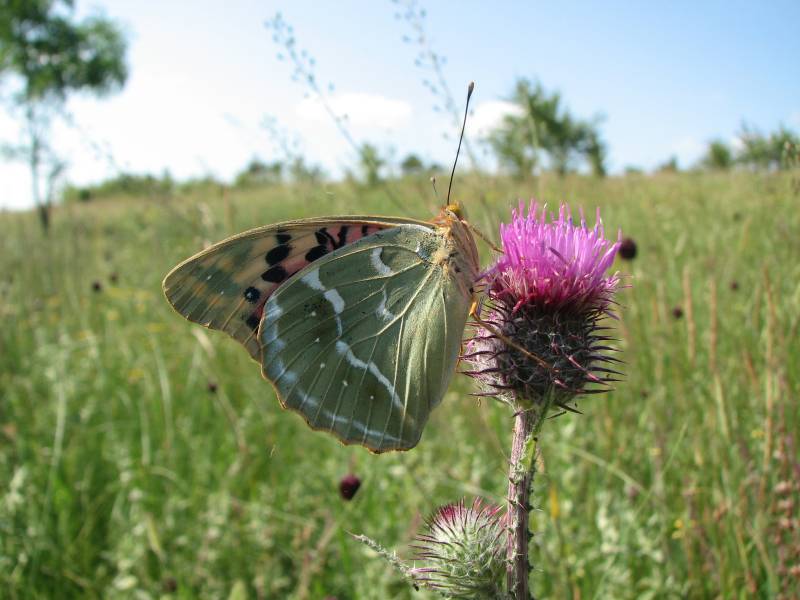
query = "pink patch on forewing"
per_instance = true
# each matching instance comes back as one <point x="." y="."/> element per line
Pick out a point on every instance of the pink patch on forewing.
<point x="353" y="233"/>
<point x="295" y="264"/>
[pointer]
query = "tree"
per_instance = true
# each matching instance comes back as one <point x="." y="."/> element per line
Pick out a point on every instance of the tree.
<point x="412" y="165"/>
<point x="370" y="163"/>
<point x="47" y="55"/>
<point x="718" y="157"/>
<point x="765" y="152"/>
<point x="543" y="126"/>
<point x="300" y="172"/>
<point x="669" y="166"/>
<point x="596" y="152"/>
<point x="260" y="173"/>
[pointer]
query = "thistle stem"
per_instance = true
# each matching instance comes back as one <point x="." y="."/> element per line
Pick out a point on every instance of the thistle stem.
<point x="527" y="424"/>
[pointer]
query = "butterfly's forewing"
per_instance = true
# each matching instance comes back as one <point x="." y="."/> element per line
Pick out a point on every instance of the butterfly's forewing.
<point x="364" y="341"/>
<point x="225" y="286"/>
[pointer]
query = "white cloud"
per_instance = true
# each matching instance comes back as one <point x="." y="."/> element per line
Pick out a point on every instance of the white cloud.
<point x="360" y="109"/>
<point x="688" y="149"/>
<point x="16" y="192"/>
<point x="488" y="115"/>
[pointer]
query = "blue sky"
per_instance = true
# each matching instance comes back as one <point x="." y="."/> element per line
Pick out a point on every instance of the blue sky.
<point x="667" y="77"/>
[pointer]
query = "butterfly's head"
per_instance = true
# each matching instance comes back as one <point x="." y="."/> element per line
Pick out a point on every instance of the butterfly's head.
<point x="451" y="213"/>
<point x="454" y="211"/>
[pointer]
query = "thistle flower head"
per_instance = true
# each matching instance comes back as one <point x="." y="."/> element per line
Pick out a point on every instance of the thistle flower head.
<point x="553" y="265"/>
<point x="547" y="293"/>
<point x="462" y="554"/>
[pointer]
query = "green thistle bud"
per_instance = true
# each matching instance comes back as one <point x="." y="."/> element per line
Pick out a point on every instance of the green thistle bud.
<point x="462" y="554"/>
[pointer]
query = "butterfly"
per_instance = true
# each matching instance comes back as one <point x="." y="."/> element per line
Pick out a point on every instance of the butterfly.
<point x="357" y="321"/>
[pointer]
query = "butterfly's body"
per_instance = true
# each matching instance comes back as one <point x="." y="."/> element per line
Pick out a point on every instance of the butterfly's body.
<point x="356" y="321"/>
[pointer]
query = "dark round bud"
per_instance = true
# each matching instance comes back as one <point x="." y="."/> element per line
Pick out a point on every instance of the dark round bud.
<point x="169" y="585"/>
<point x="677" y="312"/>
<point x="632" y="492"/>
<point x="212" y="387"/>
<point x="348" y="486"/>
<point x="734" y="285"/>
<point x="97" y="286"/>
<point x="627" y="249"/>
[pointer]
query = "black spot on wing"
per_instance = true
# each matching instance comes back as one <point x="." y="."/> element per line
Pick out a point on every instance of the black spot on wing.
<point x="323" y="237"/>
<point x="364" y="230"/>
<point x="315" y="253"/>
<point x="275" y="274"/>
<point x="277" y="254"/>
<point x="252" y="295"/>
<point x="282" y="237"/>
<point x="253" y="321"/>
<point x="343" y="235"/>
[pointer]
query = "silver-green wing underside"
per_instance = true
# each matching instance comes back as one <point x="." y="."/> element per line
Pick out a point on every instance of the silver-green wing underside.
<point x="364" y="341"/>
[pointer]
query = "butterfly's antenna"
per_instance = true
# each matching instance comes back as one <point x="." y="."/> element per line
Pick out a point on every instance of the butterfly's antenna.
<point x="470" y="88"/>
<point x="435" y="193"/>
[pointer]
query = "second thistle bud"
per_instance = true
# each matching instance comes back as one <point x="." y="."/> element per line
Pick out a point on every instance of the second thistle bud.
<point x="463" y="553"/>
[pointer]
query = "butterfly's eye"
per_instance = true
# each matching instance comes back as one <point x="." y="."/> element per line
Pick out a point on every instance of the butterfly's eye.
<point x="456" y="209"/>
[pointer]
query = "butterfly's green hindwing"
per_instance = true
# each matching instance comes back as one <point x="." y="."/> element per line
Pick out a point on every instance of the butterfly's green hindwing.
<point x="364" y="341"/>
<point x="226" y="286"/>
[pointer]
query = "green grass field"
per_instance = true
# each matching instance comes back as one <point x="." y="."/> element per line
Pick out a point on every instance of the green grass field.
<point x="123" y="475"/>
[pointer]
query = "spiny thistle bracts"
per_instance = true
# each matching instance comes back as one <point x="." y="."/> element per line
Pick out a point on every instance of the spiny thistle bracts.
<point x="463" y="553"/>
<point x="541" y="335"/>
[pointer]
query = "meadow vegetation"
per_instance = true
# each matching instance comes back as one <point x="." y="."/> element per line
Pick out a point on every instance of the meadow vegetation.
<point x="142" y="456"/>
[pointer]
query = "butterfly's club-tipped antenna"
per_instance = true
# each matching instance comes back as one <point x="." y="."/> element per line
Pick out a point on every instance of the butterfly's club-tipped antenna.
<point x="470" y="89"/>
<point x="484" y="237"/>
<point x="435" y="193"/>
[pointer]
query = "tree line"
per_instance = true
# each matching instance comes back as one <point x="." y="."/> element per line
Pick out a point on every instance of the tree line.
<point x="47" y="55"/>
<point x="754" y="150"/>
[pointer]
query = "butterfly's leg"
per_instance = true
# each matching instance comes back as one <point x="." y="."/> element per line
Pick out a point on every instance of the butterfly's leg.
<point x="483" y="236"/>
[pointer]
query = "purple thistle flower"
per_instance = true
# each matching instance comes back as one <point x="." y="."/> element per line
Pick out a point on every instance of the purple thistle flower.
<point x="463" y="554"/>
<point x="547" y="294"/>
